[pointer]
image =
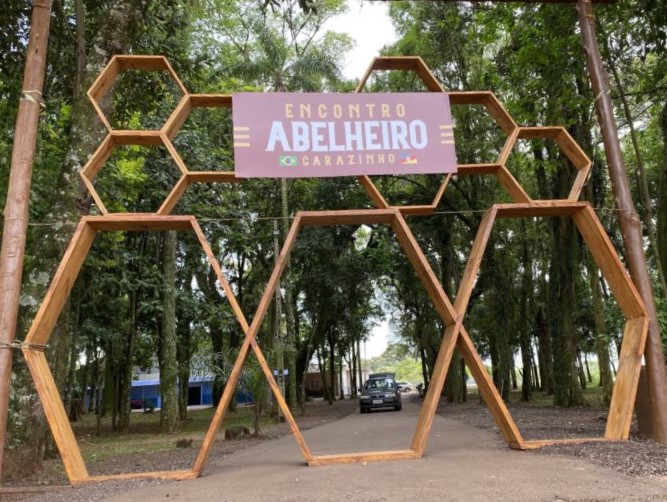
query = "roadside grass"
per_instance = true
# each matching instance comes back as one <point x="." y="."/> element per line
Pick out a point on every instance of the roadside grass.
<point x="144" y="436"/>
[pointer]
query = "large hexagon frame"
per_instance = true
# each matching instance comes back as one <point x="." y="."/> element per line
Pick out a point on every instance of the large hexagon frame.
<point x="629" y="301"/>
<point x="47" y="316"/>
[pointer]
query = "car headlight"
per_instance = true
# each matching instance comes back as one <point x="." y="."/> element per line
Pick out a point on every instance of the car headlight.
<point x="389" y="395"/>
<point x="364" y="396"/>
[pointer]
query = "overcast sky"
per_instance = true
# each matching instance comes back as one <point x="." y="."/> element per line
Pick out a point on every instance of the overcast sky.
<point x="369" y="25"/>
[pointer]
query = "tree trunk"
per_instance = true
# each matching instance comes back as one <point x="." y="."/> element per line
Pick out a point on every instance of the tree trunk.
<point x="524" y="323"/>
<point x="18" y="200"/>
<point x="642" y="183"/>
<point x="629" y="222"/>
<point x="662" y="193"/>
<point x="601" y="342"/>
<point x="167" y="356"/>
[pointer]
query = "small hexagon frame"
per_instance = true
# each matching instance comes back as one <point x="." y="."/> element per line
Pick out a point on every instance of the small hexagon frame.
<point x="117" y="65"/>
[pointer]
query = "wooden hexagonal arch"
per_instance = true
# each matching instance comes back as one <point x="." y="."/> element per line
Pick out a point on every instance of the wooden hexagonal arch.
<point x="627" y="297"/>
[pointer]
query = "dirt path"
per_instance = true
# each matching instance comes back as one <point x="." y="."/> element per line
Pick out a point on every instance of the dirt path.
<point x="465" y="460"/>
<point x="462" y="463"/>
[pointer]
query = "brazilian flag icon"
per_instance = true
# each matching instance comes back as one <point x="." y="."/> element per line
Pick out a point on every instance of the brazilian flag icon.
<point x="288" y="161"/>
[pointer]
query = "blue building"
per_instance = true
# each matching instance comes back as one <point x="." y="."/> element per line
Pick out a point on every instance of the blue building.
<point x="145" y="391"/>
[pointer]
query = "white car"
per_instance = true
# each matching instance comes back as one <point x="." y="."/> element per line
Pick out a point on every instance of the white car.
<point x="405" y="386"/>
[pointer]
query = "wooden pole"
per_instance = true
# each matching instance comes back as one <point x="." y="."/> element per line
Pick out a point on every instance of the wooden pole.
<point x="631" y="227"/>
<point x="18" y="199"/>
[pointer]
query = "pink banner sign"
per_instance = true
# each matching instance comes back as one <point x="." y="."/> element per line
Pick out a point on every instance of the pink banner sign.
<point x="306" y="135"/>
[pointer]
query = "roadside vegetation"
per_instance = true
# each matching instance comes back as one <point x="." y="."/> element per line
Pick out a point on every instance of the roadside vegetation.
<point x="540" y="313"/>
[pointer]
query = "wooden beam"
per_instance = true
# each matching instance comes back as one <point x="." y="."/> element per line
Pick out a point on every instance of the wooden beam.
<point x="360" y="458"/>
<point x="540" y="208"/>
<point x="475" y="260"/>
<point x="56" y="415"/>
<point x="138" y="222"/>
<point x="430" y="404"/>
<point x="488" y="390"/>
<point x="627" y="379"/>
<point x="61" y="285"/>
<point x="346" y="217"/>
<point x="221" y="409"/>
<point x="16" y="212"/>
<point x="630" y="222"/>
<point x="609" y="263"/>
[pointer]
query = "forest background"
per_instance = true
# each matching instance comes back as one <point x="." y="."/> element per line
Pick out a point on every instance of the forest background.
<point x="151" y="299"/>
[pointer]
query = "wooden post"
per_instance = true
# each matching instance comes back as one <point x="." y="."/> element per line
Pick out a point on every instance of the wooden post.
<point x="631" y="227"/>
<point x="18" y="199"/>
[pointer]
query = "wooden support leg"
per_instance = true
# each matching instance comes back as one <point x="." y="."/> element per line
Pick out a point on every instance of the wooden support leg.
<point x="229" y="392"/>
<point x="489" y="392"/>
<point x="436" y="384"/>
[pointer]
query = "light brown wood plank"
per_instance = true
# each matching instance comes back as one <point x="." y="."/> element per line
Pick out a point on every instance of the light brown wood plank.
<point x="174" y="154"/>
<point x="278" y="396"/>
<point x="424" y="271"/>
<point x="609" y="263"/>
<point x="151" y="63"/>
<point x="474" y="169"/>
<point x="430" y="404"/>
<point x="627" y="379"/>
<point x="140" y="138"/>
<point x="56" y="416"/>
<point x="213" y="177"/>
<point x="579" y="182"/>
<point x="508" y="147"/>
<point x="415" y="210"/>
<point x="501" y="116"/>
<point x="221" y="410"/>
<point x="403" y="63"/>
<point x="373" y="192"/>
<point x="211" y="100"/>
<point x="360" y="458"/>
<point x="537" y="444"/>
<point x="539" y="132"/>
<point x="271" y="286"/>
<point x="61" y="285"/>
<point x="468" y="97"/>
<point x="346" y="217"/>
<point x="174" y="196"/>
<point x="540" y="208"/>
<point x="175" y="475"/>
<point x="488" y="390"/>
<point x="513" y="187"/>
<point x="139" y="222"/>
<point x="97" y="159"/>
<point x="178" y="117"/>
<point x="215" y="264"/>
<point x="474" y="261"/>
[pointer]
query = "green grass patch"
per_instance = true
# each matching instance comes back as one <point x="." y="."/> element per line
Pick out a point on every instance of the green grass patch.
<point x="144" y="436"/>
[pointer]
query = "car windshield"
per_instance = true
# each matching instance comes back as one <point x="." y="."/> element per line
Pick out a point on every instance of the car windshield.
<point x="379" y="384"/>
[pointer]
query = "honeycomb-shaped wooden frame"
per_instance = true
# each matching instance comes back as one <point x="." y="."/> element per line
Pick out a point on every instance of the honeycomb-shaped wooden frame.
<point x="485" y="98"/>
<point x="628" y="299"/>
<point x="54" y="301"/>
<point x="161" y="137"/>
<point x="455" y="334"/>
